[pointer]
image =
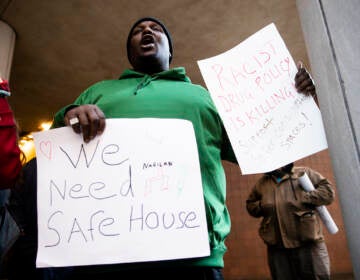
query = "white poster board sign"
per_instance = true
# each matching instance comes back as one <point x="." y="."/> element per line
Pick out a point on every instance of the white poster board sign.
<point x="252" y="85"/>
<point x="132" y="194"/>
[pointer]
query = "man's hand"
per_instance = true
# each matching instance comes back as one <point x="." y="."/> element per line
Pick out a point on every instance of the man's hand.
<point x="86" y="119"/>
<point x="303" y="81"/>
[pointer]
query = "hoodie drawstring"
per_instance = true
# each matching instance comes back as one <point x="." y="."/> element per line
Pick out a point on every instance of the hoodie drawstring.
<point x="143" y="83"/>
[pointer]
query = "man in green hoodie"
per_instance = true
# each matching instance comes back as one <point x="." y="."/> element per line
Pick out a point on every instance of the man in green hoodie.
<point x="152" y="90"/>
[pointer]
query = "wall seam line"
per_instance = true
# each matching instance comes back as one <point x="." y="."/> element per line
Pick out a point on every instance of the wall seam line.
<point x="342" y="85"/>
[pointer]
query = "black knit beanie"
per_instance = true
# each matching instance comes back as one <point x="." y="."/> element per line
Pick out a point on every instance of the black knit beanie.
<point x="158" y="22"/>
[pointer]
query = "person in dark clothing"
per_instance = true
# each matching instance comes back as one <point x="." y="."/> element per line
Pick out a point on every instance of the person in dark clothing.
<point x="22" y="205"/>
<point x="21" y="259"/>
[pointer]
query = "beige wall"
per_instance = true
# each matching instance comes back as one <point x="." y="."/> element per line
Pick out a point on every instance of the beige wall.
<point x="7" y="44"/>
<point x="332" y="37"/>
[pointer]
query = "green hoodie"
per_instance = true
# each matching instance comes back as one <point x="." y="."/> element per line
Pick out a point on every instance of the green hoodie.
<point x="170" y="94"/>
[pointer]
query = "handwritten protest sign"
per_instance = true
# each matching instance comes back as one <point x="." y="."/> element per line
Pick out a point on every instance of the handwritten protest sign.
<point x="132" y="194"/>
<point x="252" y="85"/>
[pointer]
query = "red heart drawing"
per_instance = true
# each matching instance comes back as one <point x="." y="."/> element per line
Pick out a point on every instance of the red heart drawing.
<point x="45" y="148"/>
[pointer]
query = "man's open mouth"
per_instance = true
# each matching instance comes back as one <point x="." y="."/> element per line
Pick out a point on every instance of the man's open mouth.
<point x="147" y="42"/>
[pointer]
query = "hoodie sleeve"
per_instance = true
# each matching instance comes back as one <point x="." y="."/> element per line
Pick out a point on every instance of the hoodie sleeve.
<point x="323" y="194"/>
<point x="84" y="98"/>
<point x="253" y="203"/>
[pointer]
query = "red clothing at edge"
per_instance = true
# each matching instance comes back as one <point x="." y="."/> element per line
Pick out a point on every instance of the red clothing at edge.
<point x="10" y="163"/>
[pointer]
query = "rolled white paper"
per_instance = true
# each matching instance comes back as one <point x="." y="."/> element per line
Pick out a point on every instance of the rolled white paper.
<point x="322" y="210"/>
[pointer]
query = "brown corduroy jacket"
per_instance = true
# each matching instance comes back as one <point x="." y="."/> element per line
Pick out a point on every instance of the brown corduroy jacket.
<point x="289" y="213"/>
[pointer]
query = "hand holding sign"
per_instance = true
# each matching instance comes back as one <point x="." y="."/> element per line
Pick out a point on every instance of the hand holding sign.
<point x="269" y="124"/>
<point x="115" y="198"/>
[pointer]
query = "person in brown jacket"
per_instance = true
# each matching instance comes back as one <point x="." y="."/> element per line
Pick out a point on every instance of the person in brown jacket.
<point x="291" y="227"/>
